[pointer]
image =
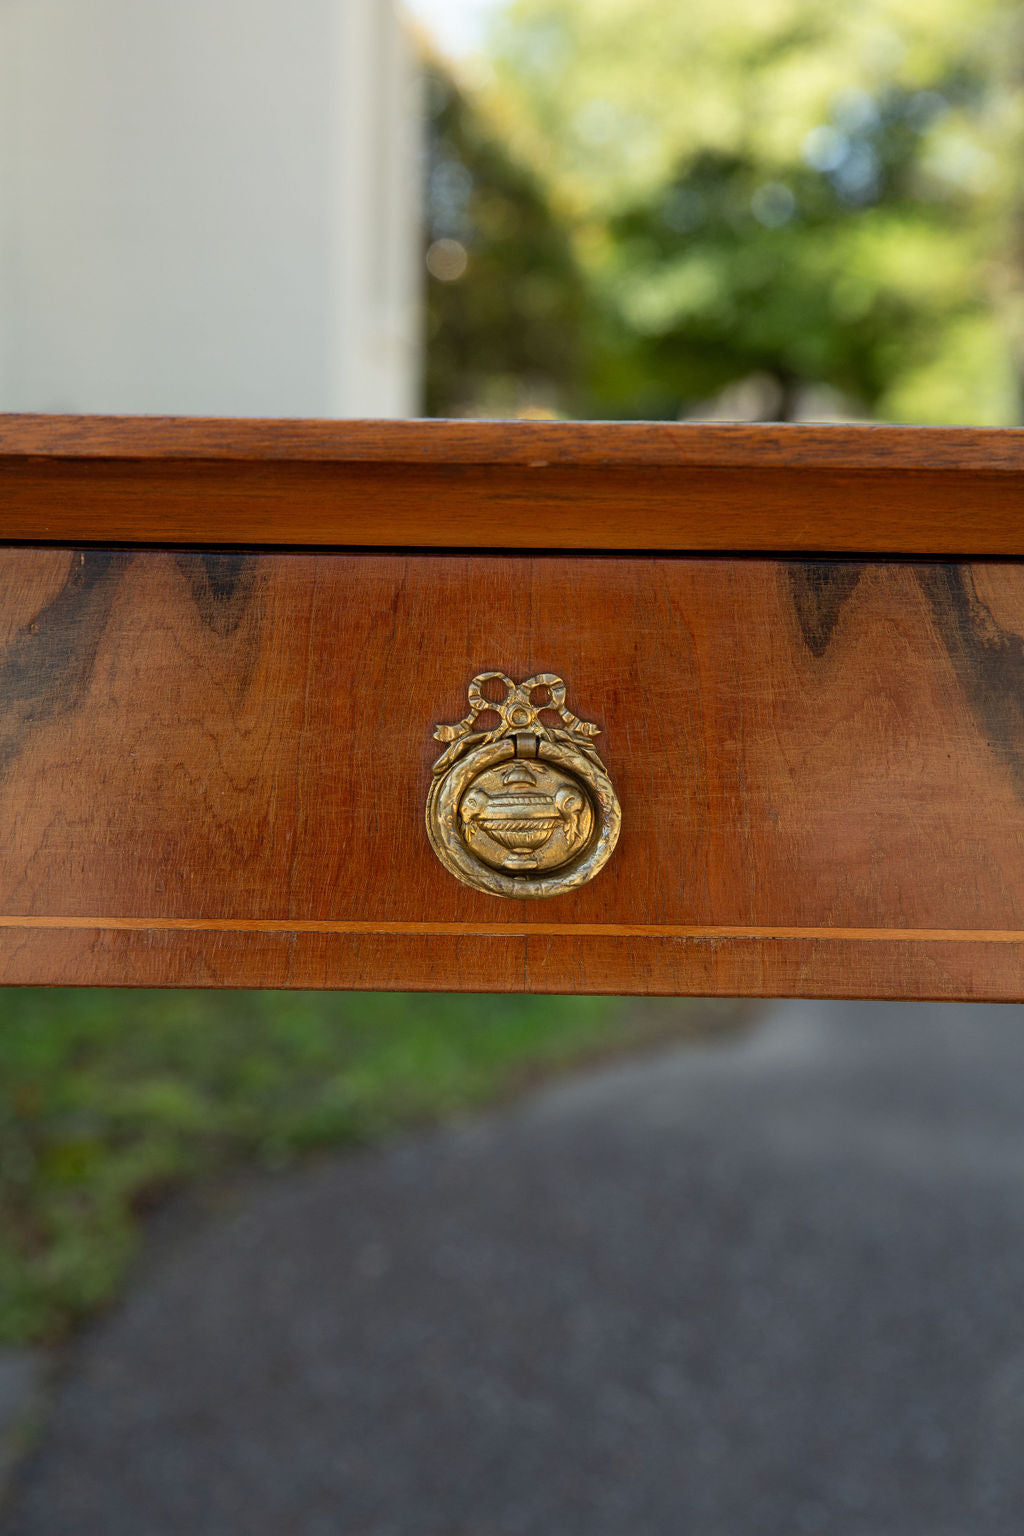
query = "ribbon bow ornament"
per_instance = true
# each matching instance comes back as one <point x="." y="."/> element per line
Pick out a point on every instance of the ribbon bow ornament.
<point x="518" y="713"/>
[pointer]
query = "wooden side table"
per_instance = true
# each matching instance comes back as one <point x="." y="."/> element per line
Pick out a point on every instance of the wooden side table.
<point x="225" y="648"/>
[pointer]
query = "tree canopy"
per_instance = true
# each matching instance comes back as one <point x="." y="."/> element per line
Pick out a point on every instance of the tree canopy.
<point x="822" y="200"/>
<point x="504" y="293"/>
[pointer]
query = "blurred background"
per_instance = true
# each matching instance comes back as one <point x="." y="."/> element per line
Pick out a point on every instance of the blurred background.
<point x="590" y="208"/>
<point x="753" y="1269"/>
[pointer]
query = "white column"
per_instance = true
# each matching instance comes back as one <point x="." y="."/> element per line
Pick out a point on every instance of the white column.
<point x="376" y="352"/>
<point x="207" y="207"/>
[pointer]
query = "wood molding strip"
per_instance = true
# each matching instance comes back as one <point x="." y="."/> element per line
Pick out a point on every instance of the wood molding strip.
<point x="854" y="490"/>
<point x="531" y="444"/>
<point x="680" y="507"/>
<point x="518" y="930"/>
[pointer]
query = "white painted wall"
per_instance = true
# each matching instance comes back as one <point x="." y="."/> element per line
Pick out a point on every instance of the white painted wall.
<point x="208" y="207"/>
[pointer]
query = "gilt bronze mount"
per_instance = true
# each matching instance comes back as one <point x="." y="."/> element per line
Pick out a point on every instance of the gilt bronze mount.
<point x="527" y="808"/>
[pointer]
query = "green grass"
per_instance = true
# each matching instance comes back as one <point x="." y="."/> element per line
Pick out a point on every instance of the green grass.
<point x="109" y="1099"/>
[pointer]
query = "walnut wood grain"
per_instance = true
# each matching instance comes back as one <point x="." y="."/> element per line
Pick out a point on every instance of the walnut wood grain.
<point x="213" y="770"/>
<point x="521" y="485"/>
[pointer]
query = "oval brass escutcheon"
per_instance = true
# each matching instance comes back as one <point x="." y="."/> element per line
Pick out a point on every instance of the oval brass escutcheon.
<point x="526" y="809"/>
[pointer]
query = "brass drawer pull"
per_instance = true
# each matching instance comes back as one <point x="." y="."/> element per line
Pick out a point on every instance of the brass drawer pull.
<point x="525" y="809"/>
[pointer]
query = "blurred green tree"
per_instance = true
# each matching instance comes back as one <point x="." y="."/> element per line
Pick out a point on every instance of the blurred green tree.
<point x="505" y="298"/>
<point x="776" y="191"/>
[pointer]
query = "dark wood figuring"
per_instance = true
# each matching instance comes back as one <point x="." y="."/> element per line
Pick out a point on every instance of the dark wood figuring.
<point x="213" y="770"/>
<point x="521" y="485"/>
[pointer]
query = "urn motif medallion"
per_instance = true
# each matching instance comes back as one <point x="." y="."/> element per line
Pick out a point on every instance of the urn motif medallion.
<point x="527" y="808"/>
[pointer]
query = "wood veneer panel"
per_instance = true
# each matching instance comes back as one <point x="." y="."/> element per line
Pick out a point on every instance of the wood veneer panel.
<point x="513" y="485"/>
<point x="231" y="739"/>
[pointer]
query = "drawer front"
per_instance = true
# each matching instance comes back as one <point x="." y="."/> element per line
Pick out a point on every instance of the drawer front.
<point x="214" y="767"/>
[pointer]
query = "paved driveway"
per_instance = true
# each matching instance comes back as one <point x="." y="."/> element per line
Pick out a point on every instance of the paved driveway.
<point x="758" y="1288"/>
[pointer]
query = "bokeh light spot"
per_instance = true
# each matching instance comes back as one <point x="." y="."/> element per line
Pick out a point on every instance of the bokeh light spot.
<point x="447" y="260"/>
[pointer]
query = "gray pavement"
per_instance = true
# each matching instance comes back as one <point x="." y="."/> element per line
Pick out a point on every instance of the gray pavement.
<point x="23" y="1381"/>
<point x="773" y="1285"/>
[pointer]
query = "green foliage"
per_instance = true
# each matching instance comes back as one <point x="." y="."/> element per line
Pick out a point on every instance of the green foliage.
<point x="108" y="1099"/>
<point x="730" y="274"/>
<point x="504" y="297"/>
<point x="811" y="196"/>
